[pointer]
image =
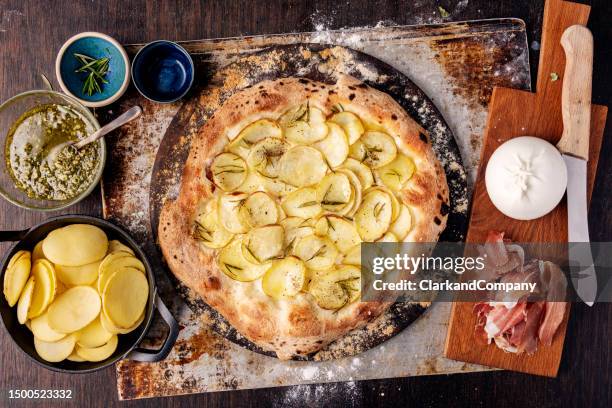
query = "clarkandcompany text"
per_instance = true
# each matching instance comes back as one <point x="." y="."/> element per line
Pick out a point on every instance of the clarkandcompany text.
<point x="474" y="285"/>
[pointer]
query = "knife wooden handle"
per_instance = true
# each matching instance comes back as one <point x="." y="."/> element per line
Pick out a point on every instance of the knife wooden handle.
<point x="577" y="42"/>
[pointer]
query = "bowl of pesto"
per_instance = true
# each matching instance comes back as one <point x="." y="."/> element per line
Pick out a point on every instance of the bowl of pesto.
<point x="31" y="124"/>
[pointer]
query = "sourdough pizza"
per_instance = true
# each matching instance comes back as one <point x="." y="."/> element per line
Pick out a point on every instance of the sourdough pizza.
<point x="281" y="186"/>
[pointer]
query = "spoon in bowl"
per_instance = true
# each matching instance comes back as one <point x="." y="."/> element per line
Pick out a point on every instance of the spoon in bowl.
<point x="120" y="120"/>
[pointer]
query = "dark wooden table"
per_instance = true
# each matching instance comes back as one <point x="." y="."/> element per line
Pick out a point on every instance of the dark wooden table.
<point x="31" y="32"/>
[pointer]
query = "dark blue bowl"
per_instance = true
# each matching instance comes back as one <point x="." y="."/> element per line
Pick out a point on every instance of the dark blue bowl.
<point x="163" y="71"/>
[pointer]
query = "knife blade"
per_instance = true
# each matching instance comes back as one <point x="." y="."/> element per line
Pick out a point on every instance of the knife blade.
<point x="577" y="42"/>
<point x="585" y="280"/>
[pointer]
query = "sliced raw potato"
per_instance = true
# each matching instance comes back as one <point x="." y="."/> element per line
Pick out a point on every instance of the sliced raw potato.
<point x="350" y="123"/>
<point x="37" y="252"/>
<point x="44" y="287"/>
<point x="318" y="253"/>
<point x="61" y="288"/>
<point x="116" y="262"/>
<point x="232" y="262"/>
<point x="229" y="209"/>
<point x="98" y="353"/>
<point x="265" y="156"/>
<point x="337" y="287"/>
<point x="125" y="297"/>
<point x="353" y="256"/>
<point x="57" y="351"/>
<point x="363" y="172"/>
<point x="116" y="246"/>
<point x="259" y="209"/>
<point x="335" y="147"/>
<point x="25" y="300"/>
<point x="373" y="217"/>
<point x="110" y="326"/>
<point x="374" y="149"/>
<point x="263" y="244"/>
<point x="341" y="231"/>
<point x="79" y="275"/>
<point x="402" y="225"/>
<point x="75" y="357"/>
<point x="285" y="278"/>
<point x="397" y="173"/>
<point x="105" y="271"/>
<point x="16" y="276"/>
<point x="75" y="245"/>
<point x="77" y="307"/>
<point x="252" y="134"/>
<point x="356" y="191"/>
<point x="17" y="257"/>
<point x="304" y="124"/>
<point x="334" y="192"/>
<point x="302" y="203"/>
<point x="207" y="228"/>
<point x="302" y="166"/>
<point x="228" y="171"/>
<point x="94" y="335"/>
<point x="295" y="228"/>
<point x="42" y="331"/>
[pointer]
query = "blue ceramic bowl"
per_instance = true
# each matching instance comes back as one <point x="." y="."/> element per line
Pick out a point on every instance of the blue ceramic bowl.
<point x="95" y="45"/>
<point x="163" y="71"/>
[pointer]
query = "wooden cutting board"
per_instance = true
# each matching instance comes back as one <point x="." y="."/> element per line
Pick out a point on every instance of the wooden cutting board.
<point x="515" y="113"/>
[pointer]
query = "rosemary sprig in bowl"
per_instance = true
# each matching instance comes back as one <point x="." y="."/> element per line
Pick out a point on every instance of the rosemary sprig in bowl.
<point x="96" y="69"/>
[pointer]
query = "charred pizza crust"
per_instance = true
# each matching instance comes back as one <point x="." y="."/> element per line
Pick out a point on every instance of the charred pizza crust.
<point x="296" y="326"/>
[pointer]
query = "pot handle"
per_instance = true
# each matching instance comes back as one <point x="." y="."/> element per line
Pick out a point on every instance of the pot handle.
<point x="151" y="356"/>
<point x="6" y="236"/>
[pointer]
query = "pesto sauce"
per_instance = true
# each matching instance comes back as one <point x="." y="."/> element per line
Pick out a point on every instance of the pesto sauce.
<point x="30" y="139"/>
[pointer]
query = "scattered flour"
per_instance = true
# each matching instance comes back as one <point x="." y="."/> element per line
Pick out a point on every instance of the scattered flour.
<point x="345" y="394"/>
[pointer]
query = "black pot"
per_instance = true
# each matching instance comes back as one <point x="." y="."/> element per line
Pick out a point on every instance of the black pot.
<point x="128" y="343"/>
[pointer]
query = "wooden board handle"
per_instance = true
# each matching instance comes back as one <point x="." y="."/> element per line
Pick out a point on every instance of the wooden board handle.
<point x="577" y="42"/>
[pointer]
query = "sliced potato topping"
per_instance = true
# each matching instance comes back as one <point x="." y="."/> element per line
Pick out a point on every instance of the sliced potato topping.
<point x="252" y="134"/>
<point x="335" y="147"/>
<point x="334" y="192"/>
<point x="302" y="166"/>
<point x="337" y="287"/>
<point x="395" y="204"/>
<point x="295" y="199"/>
<point x="397" y="173"/>
<point x="341" y="231"/>
<point x="228" y="171"/>
<point x="304" y="124"/>
<point x="263" y="244"/>
<point x="402" y="225"/>
<point x="350" y="123"/>
<point x="356" y="191"/>
<point x="374" y="149"/>
<point x="265" y="156"/>
<point x="232" y="262"/>
<point x="285" y="278"/>
<point x="317" y="252"/>
<point x="229" y="208"/>
<point x="363" y="172"/>
<point x="259" y="209"/>
<point x="295" y="228"/>
<point x="373" y="217"/>
<point x="302" y="203"/>
<point x="353" y="256"/>
<point x="207" y="227"/>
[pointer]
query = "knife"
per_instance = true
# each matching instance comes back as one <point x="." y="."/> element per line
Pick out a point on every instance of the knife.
<point x="577" y="42"/>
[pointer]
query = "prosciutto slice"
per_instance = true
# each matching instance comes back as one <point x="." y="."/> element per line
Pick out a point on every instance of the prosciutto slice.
<point x="513" y="323"/>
